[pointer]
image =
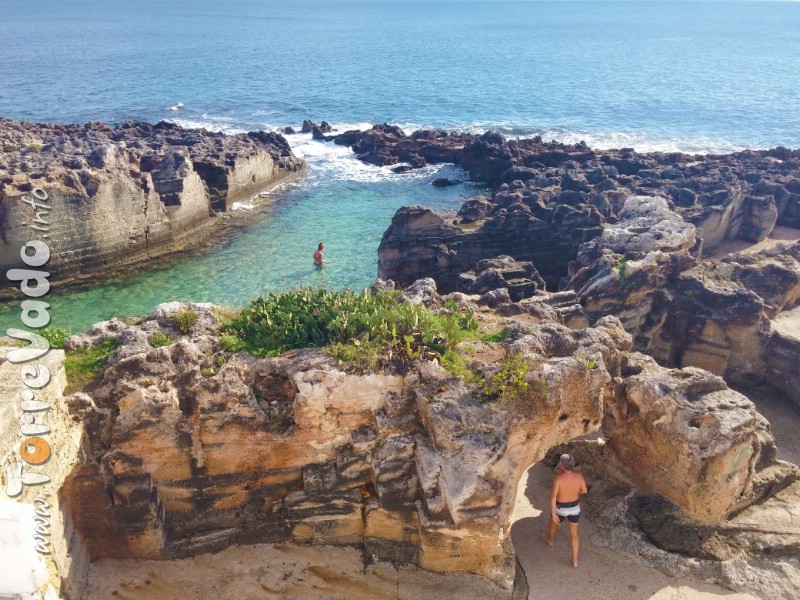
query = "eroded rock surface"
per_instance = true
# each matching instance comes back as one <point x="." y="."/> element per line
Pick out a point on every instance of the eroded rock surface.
<point x="185" y="456"/>
<point x="549" y="198"/>
<point x="712" y="314"/>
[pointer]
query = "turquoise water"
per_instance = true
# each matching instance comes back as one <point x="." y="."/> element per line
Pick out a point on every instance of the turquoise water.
<point x="691" y="76"/>
<point x="349" y="215"/>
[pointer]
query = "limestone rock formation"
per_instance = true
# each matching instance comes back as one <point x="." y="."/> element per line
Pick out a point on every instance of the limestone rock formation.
<point x="663" y="423"/>
<point x="550" y="198"/>
<point x="712" y="314"/>
<point x="414" y="469"/>
<point x="420" y="243"/>
<point x="25" y="504"/>
<point x="185" y="456"/>
<point x="115" y="196"/>
<point x="739" y="195"/>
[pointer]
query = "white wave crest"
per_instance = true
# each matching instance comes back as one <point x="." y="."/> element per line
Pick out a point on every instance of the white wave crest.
<point x="327" y="160"/>
<point x="210" y="123"/>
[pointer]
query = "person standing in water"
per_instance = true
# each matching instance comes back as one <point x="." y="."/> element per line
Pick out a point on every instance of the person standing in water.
<point x="318" y="260"/>
<point x="564" y="502"/>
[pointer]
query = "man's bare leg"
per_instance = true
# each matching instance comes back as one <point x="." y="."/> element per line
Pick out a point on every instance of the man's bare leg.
<point x="549" y="535"/>
<point x="573" y="534"/>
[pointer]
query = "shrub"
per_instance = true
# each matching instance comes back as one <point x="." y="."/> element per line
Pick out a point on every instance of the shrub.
<point x="185" y="320"/>
<point x="512" y="386"/>
<point x="364" y="355"/>
<point x="308" y="318"/>
<point x="86" y="365"/>
<point x="230" y="343"/>
<point x="496" y="337"/>
<point x="622" y="268"/>
<point x="159" y="339"/>
<point x="455" y="363"/>
<point x="208" y="371"/>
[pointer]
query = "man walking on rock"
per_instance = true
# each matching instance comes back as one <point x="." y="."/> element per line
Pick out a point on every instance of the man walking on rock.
<point x="565" y="502"/>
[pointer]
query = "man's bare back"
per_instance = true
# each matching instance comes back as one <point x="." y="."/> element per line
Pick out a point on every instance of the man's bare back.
<point x="568" y="486"/>
<point x="564" y="503"/>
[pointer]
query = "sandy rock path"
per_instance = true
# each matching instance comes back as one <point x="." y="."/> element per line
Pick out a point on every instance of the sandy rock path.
<point x="602" y="572"/>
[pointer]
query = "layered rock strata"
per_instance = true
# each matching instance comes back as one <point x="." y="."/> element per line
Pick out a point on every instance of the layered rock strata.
<point x="414" y="468"/>
<point x="107" y="196"/>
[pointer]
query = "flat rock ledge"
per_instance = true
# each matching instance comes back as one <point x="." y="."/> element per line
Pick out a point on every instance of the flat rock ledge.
<point x="107" y="197"/>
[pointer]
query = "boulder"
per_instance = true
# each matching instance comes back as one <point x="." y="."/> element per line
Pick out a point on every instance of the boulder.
<point x="686" y="436"/>
<point x="520" y="279"/>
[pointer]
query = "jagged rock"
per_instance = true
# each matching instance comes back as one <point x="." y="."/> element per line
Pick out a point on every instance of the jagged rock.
<point x="421" y="243"/>
<point x="519" y="278"/>
<point x="474" y="210"/>
<point x="759" y="545"/>
<point x="182" y="458"/>
<point x="781" y="353"/>
<point x="711" y="314"/>
<point x="647" y="225"/>
<point x="686" y="436"/>
<point x="294" y="448"/>
<point x="444" y="182"/>
<point x="114" y="196"/>
<point x="495" y="298"/>
<point x="736" y="196"/>
<point x="422" y="291"/>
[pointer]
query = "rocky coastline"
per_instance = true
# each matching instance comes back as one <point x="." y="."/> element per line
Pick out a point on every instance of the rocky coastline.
<point x="626" y="233"/>
<point x="591" y="267"/>
<point x="189" y="448"/>
<point x="113" y="197"/>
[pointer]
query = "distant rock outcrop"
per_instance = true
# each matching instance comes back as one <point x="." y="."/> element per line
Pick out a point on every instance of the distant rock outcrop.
<point x="549" y="198"/>
<point x="112" y="196"/>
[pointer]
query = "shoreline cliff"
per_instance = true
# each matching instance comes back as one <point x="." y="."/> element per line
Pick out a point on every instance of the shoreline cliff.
<point x="109" y="198"/>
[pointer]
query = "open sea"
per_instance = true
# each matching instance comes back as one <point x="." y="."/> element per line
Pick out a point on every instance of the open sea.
<point x="655" y="75"/>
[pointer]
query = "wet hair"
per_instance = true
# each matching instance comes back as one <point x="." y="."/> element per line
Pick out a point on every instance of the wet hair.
<point x="321" y="246"/>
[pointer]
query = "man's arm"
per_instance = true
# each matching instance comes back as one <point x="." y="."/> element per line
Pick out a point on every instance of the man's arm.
<point x="553" y="497"/>
<point x="584" y="489"/>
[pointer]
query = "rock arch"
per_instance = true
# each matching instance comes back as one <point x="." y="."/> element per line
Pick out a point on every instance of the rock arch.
<point x="410" y="468"/>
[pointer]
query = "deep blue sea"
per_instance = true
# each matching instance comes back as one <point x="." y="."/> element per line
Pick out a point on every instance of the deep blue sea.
<point x="690" y="76"/>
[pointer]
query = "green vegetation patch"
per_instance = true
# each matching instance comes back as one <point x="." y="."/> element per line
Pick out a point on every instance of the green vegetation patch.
<point x="513" y="386"/>
<point x="85" y="365"/>
<point x="185" y="319"/>
<point x="622" y="268"/>
<point x="359" y="328"/>
<point x="159" y="339"/>
<point x="496" y="337"/>
<point x="55" y="336"/>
